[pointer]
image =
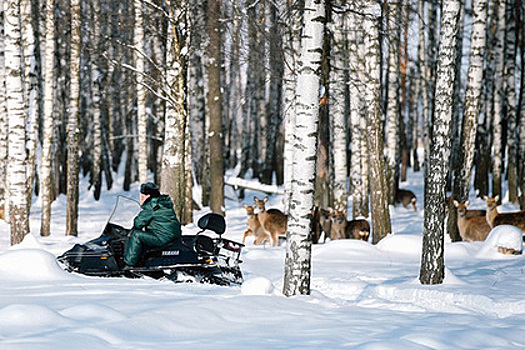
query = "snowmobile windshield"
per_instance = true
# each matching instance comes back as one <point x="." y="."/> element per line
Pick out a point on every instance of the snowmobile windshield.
<point x="124" y="212"/>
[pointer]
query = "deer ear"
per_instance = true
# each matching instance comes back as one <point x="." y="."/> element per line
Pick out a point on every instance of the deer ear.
<point x="456" y="204"/>
<point x="255" y="199"/>
<point x="265" y="199"/>
<point x="485" y="198"/>
<point x="467" y="203"/>
<point x="496" y="198"/>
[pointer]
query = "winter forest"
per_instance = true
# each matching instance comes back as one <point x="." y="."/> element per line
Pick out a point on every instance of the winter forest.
<point x="330" y="99"/>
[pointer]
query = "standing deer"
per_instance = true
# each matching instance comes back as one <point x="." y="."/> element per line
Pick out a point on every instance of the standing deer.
<point x="343" y="229"/>
<point x="406" y="198"/>
<point x="273" y="221"/>
<point x="254" y="226"/>
<point x="474" y="228"/>
<point x="494" y="218"/>
<point x="322" y="223"/>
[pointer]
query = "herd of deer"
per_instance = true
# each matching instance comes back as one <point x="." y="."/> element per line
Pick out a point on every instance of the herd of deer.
<point x="475" y="225"/>
<point x="269" y="225"/>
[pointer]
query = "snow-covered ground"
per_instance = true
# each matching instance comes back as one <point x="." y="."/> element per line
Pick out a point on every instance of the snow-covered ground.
<point x="363" y="296"/>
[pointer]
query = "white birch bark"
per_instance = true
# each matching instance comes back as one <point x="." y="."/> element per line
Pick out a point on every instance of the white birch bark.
<point x="30" y="92"/>
<point x="499" y="104"/>
<point x="172" y="173"/>
<point x="291" y="50"/>
<point x="381" y="226"/>
<point x="432" y="259"/>
<point x="472" y="99"/>
<point x="510" y="93"/>
<point x="392" y="138"/>
<point x="337" y="110"/>
<point x="18" y="210"/>
<point x="72" y="124"/>
<point x="298" y="250"/>
<point x="95" y="103"/>
<point x="46" y="187"/>
<point x="3" y="118"/>
<point x="423" y="85"/>
<point x="139" y="42"/>
<point x="359" y="154"/>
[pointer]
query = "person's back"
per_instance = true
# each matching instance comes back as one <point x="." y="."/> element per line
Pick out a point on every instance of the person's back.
<point x="155" y="225"/>
<point x="157" y="215"/>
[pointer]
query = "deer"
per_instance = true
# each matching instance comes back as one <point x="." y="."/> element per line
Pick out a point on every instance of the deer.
<point x="344" y="229"/>
<point x="273" y="221"/>
<point x="470" y="212"/>
<point x="474" y="228"/>
<point x="254" y="227"/>
<point x="406" y="198"/>
<point x="2" y="212"/>
<point x="322" y="223"/>
<point x="494" y="218"/>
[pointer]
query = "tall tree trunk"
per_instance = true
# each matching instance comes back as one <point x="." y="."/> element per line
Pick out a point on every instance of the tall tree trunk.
<point x="521" y="146"/>
<point x="381" y="226"/>
<point x="291" y="50"/>
<point x="337" y="112"/>
<point x="432" y="258"/>
<point x="499" y="104"/>
<point x="18" y="210"/>
<point x="142" y="133"/>
<point x="96" y="81"/>
<point x="173" y="169"/>
<point x="465" y="156"/>
<point x="46" y="185"/>
<point x="393" y="110"/>
<point x="72" y="125"/>
<point x="423" y="84"/>
<point x="3" y="118"/>
<point x="275" y="95"/>
<point x="510" y="93"/>
<point x="299" y="244"/>
<point x="215" y="103"/>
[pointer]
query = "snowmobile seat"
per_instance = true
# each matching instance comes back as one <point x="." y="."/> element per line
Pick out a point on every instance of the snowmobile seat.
<point x="214" y="222"/>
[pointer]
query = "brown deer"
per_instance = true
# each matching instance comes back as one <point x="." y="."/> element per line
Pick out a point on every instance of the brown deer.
<point x="273" y="221"/>
<point x="254" y="227"/>
<point x="494" y="218"/>
<point x="322" y="223"/>
<point x="2" y="212"/>
<point x="344" y="229"/>
<point x="406" y="198"/>
<point x="474" y="228"/>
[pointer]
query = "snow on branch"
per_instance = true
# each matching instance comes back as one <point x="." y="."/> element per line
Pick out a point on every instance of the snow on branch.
<point x="252" y="185"/>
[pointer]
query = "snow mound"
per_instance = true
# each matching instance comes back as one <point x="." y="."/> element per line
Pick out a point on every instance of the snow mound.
<point x="29" y="242"/>
<point x="402" y="244"/>
<point x="31" y="264"/>
<point x="25" y="318"/>
<point x="503" y="237"/>
<point x="93" y="313"/>
<point x="257" y="286"/>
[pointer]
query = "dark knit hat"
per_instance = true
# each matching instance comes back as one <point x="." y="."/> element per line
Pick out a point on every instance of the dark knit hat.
<point x="149" y="188"/>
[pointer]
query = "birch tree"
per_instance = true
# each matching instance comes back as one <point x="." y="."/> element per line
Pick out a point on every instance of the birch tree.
<point x="521" y="146"/>
<point x="96" y="87"/>
<point x="142" y="135"/>
<point x="510" y="93"/>
<point x="3" y="117"/>
<point x="337" y="107"/>
<point x="291" y="51"/>
<point x="359" y="154"/>
<point x="72" y="125"/>
<point x="18" y="209"/>
<point x="298" y="250"/>
<point x="499" y="104"/>
<point x="432" y="260"/>
<point x="378" y="183"/>
<point x="173" y="169"/>
<point x="393" y="111"/>
<point x="214" y="102"/>
<point x="467" y="146"/>
<point x="46" y="185"/>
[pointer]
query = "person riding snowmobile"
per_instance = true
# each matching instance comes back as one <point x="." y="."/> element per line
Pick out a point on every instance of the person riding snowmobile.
<point x="154" y="226"/>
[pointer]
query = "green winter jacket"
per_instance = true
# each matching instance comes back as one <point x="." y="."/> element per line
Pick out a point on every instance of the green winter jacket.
<point x="158" y="217"/>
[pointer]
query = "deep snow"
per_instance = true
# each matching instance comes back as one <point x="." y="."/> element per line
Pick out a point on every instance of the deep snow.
<point x="363" y="296"/>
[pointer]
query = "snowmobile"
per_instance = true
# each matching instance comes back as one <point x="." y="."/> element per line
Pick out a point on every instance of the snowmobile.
<point x="194" y="258"/>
